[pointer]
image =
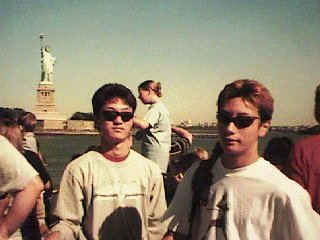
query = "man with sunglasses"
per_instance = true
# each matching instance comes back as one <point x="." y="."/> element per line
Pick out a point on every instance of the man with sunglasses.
<point x="112" y="192"/>
<point x="237" y="194"/>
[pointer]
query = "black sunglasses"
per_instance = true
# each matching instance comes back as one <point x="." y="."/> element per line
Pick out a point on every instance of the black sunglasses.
<point x="240" y="121"/>
<point x="112" y="115"/>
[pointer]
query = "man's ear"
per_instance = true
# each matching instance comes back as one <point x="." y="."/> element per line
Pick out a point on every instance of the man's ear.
<point x="264" y="128"/>
<point x="96" y="123"/>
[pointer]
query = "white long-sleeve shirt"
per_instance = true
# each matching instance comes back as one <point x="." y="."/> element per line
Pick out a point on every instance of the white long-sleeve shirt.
<point x="101" y="199"/>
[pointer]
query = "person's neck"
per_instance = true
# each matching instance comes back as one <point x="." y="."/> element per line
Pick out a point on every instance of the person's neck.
<point x="238" y="161"/>
<point x="154" y="99"/>
<point x="117" y="151"/>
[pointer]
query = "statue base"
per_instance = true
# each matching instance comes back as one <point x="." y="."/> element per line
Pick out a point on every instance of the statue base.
<point x="45" y="99"/>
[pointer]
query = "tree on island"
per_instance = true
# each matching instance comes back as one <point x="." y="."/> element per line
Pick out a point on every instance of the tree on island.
<point x="82" y="116"/>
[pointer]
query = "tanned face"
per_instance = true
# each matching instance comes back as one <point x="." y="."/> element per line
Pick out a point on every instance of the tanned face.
<point x="235" y="140"/>
<point x="117" y="130"/>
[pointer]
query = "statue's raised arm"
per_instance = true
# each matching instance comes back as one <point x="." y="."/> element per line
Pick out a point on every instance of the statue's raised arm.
<point x="47" y="63"/>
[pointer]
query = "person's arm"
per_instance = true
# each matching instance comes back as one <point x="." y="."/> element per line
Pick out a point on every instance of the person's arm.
<point x="23" y="203"/>
<point x="69" y="207"/>
<point x="182" y="133"/>
<point x="140" y="123"/>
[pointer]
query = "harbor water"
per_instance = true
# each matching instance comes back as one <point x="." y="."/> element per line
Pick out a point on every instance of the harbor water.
<point x="59" y="149"/>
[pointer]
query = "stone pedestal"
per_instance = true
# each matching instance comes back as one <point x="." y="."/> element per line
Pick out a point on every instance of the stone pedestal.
<point x="45" y="99"/>
<point x="46" y="111"/>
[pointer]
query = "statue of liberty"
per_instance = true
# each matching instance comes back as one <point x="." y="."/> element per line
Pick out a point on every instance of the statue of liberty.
<point x="47" y="63"/>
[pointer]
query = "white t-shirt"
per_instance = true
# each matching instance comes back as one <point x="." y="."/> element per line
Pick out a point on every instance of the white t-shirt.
<point x="253" y="202"/>
<point x="156" y="141"/>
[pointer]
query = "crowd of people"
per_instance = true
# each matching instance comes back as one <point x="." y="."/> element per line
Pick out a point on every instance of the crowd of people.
<point x="165" y="191"/>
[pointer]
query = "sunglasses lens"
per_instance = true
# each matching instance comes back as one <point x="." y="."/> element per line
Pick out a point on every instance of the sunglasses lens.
<point x="109" y="115"/>
<point x="126" y="116"/>
<point x="224" y="118"/>
<point x="243" y="121"/>
<point x="112" y="115"/>
<point x="239" y="121"/>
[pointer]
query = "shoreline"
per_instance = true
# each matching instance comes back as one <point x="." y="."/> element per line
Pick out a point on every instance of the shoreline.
<point x="65" y="132"/>
<point x="200" y="134"/>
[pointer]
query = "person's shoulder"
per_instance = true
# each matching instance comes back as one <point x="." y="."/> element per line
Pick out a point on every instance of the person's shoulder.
<point x="140" y="158"/>
<point x="290" y="192"/>
<point x="163" y="107"/>
<point x="280" y="184"/>
<point x="309" y="140"/>
<point x="143" y="161"/>
<point x="8" y="152"/>
<point x="84" y="160"/>
<point x="3" y="141"/>
<point x="159" y="105"/>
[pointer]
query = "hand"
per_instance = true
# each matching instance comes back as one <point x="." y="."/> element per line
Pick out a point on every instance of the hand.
<point x="179" y="177"/>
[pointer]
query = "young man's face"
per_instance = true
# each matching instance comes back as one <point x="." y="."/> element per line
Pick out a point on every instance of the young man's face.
<point x="239" y="127"/>
<point x="113" y="127"/>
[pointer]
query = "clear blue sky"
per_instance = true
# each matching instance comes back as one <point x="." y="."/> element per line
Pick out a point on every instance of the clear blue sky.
<point x="193" y="48"/>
